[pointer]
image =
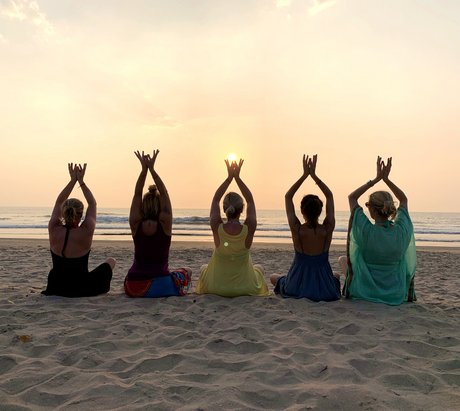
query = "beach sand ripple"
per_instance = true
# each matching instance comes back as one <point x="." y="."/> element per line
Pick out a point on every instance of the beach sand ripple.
<point x="204" y="352"/>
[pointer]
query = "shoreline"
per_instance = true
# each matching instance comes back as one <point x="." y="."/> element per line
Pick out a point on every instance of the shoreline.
<point x="184" y="244"/>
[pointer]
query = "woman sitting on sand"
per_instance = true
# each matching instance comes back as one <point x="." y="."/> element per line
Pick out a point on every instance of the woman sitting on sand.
<point x="230" y="272"/>
<point x="70" y="244"/>
<point x="381" y="256"/>
<point x="310" y="275"/>
<point x="150" y="220"/>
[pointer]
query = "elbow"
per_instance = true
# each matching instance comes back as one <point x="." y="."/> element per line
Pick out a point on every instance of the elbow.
<point x="403" y="202"/>
<point x="352" y="199"/>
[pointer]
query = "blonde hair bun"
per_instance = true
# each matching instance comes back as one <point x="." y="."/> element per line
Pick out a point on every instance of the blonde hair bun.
<point x="72" y="210"/>
<point x="389" y="208"/>
<point x="151" y="204"/>
<point x="233" y="205"/>
<point x="382" y="202"/>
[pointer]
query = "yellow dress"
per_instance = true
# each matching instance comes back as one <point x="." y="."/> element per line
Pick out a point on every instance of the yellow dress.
<point x="230" y="271"/>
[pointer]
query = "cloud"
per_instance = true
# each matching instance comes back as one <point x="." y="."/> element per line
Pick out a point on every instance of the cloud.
<point x="312" y="6"/>
<point x="283" y="3"/>
<point x="320" y="5"/>
<point x="27" y="11"/>
<point x="150" y="115"/>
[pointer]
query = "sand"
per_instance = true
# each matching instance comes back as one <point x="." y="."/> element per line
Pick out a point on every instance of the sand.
<point x="208" y="352"/>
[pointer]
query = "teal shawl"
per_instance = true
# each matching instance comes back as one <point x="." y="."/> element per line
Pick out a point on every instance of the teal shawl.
<point x="382" y="259"/>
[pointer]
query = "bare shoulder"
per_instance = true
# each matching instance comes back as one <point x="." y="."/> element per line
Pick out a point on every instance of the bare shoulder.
<point x="215" y="222"/>
<point x="54" y="223"/>
<point x="327" y="227"/>
<point x="88" y="226"/>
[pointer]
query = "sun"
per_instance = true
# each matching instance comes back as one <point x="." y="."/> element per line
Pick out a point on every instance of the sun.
<point x="231" y="157"/>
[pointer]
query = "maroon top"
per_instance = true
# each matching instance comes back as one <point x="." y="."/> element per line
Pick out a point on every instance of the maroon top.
<point x="151" y="253"/>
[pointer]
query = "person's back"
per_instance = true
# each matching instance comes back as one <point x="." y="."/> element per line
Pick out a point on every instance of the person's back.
<point x="74" y="241"/>
<point x="314" y="241"/>
<point x="70" y="244"/>
<point x="381" y="256"/>
<point x="150" y="220"/>
<point x="310" y="275"/>
<point x="383" y="244"/>
<point x="151" y="252"/>
<point x="230" y="271"/>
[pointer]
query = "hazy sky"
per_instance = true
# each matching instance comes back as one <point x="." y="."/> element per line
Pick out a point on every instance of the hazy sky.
<point x="92" y="81"/>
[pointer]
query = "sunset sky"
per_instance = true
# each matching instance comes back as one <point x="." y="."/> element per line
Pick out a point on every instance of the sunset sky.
<point x="269" y="80"/>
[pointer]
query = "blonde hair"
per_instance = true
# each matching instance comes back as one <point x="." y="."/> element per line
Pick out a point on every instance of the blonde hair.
<point x="383" y="204"/>
<point x="151" y="204"/>
<point x="233" y="205"/>
<point x="72" y="210"/>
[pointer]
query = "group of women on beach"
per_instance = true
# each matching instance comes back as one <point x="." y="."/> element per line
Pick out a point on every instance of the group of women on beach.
<point x="379" y="266"/>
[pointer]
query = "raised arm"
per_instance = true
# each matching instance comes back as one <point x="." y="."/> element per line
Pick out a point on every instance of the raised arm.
<point x="135" y="212"/>
<point x="215" y="216"/>
<point x="56" y="214"/>
<point x="90" y="218"/>
<point x="329" y="220"/>
<point x="354" y="196"/>
<point x="166" y="216"/>
<point x="251" y="217"/>
<point x="294" y="222"/>
<point x="399" y="194"/>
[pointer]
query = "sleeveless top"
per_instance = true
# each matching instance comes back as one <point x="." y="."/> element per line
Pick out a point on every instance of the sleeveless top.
<point x="76" y="265"/>
<point x="151" y="254"/>
<point x="70" y="277"/>
<point x="230" y="271"/>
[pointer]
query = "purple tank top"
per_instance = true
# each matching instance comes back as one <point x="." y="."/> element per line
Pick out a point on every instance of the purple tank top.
<point x="151" y="253"/>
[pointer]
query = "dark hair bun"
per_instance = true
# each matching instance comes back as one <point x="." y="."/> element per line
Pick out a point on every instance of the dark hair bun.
<point x="153" y="189"/>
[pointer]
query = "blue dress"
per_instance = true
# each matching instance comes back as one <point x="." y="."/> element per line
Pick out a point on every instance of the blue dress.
<point x="310" y="276"/>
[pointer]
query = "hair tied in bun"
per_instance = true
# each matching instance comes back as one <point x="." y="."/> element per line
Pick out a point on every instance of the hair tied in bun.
<point x="230" y="210"/>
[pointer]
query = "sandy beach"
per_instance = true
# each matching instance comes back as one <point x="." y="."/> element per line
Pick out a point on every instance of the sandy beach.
<point x="208" y="352"/>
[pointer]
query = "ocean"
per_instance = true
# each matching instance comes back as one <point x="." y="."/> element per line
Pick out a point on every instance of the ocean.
<point x="434" y="229"/>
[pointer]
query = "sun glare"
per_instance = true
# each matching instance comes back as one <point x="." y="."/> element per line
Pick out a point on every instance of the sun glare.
<point x="231" y="157"/>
